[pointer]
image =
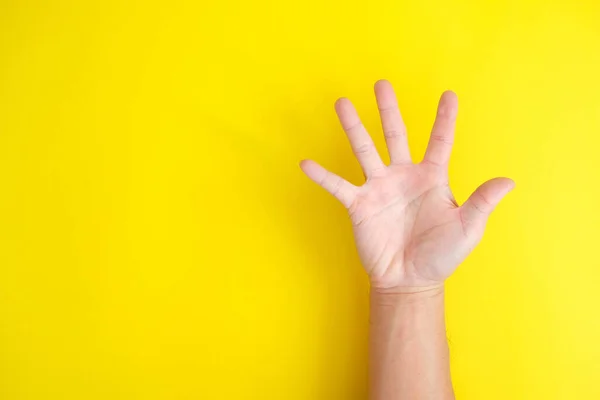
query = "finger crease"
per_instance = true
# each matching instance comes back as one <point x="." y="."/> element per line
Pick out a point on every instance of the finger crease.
<point x="479" y="209"/>
<point x="353" y="127"/>
<point x="364" y="148"/>
<point x="336" y="188"/>
<point x="484" y="198"/>
<point x="394" y="134"/>
<point x="387" y="109"/>
<point x="442" y="139"/>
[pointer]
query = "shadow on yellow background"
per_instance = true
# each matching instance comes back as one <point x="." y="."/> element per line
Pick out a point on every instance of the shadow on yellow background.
<point x="158" y="241"/>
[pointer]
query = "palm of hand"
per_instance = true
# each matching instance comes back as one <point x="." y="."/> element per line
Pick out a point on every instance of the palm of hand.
<point x="409" y="230"/>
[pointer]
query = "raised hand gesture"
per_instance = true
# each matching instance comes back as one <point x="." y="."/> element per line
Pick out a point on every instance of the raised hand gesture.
<point x="409" y="231"/>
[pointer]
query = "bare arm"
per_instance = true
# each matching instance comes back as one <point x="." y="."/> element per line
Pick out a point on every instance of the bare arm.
<point x="408" y="353"/>
<point x="411" y="235"/>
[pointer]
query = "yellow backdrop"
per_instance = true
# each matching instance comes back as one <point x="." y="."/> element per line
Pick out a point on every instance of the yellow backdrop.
<point x="158" y="240"/>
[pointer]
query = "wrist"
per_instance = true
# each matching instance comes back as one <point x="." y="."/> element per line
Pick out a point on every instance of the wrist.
<point x="407" y="295"/>
<point x="409" y="290"/>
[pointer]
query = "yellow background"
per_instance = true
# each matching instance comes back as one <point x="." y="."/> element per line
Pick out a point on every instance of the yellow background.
<point x="158" y="240"/>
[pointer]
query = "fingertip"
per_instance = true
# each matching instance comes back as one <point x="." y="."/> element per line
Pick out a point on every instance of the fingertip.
<point x="498" y="188"/>
<point x="513" y="184"/>
<point x="449" y="101"/>
<point x="448" y="105"/>
<point x="508" y="183"/>
<point x="304" y="163"/>
<point x="382" y="83"/>
<point x="450" y="94"/>
<point x="341" y="102"/>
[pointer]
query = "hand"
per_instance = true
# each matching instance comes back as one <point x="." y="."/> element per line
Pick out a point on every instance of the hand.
<point x="409" y="231"/>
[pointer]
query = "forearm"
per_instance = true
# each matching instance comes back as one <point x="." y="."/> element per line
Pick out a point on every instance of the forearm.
<point x="408" y="352"/>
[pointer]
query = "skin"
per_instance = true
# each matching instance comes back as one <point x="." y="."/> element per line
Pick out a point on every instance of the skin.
<point x="411" y="235"/>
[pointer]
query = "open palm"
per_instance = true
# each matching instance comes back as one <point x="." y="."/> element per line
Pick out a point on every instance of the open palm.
<point x="409" y="230"/>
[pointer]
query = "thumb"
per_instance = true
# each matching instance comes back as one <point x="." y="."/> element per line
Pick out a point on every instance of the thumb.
<point x="484" y="199"/>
